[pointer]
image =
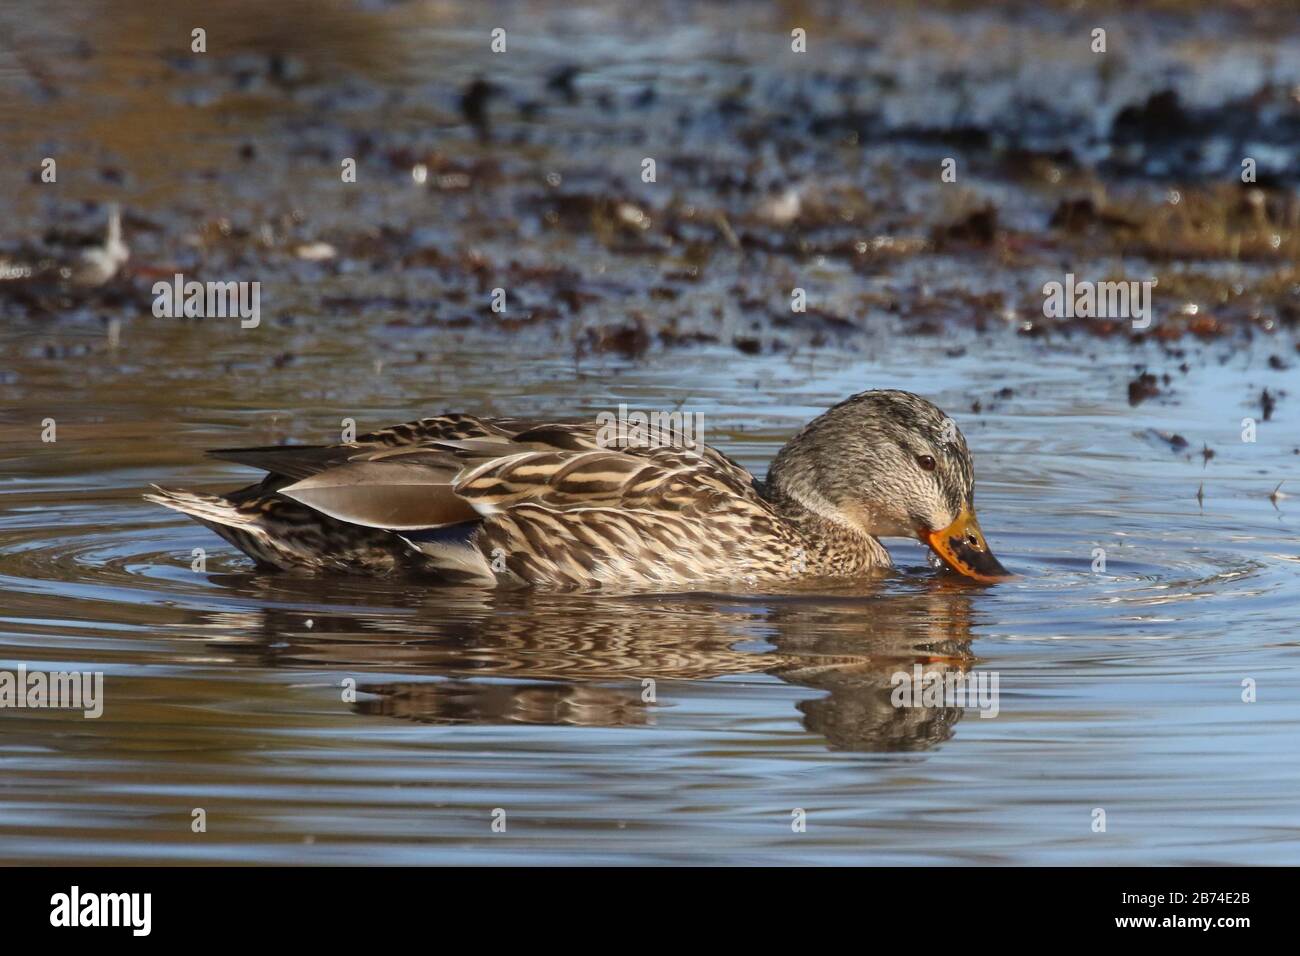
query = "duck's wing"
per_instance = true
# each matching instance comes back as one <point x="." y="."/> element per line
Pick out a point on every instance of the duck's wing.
<point x="573" y="512"/>
<point x="302" y="461"/>
<point x="450" y="469"/>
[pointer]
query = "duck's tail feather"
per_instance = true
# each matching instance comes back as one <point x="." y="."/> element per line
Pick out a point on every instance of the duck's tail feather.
<point x="209" y="509"/>
<point x="247" y="529"/>
<point x="280" y="533"/>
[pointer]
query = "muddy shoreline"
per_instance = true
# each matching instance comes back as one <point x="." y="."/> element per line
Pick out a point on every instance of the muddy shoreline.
<point x="773" y="171"/>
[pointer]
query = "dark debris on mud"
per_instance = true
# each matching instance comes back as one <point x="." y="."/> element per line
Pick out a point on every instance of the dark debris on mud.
<point x="771" y="176"/>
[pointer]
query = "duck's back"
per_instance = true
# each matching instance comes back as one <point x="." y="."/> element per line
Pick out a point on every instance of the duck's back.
<point x="504" y="501"/>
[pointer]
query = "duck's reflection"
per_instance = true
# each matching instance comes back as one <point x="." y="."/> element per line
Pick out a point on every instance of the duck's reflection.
<point x="616" y="661"/>
<point x="466" y="702"/>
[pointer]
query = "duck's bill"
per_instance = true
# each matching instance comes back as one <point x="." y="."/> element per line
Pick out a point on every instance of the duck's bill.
<point x="962" y="547"/>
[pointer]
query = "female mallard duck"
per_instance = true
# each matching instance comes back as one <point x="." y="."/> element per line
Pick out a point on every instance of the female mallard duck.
<point x="511" y="502"/>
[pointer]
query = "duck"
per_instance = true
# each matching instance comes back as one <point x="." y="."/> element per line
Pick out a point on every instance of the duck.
<point x="508" y="502"/>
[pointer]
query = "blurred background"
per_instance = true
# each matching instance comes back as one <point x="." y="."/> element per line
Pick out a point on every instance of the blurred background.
<point x="523" y="169"/>
<point x="1121" y="684"/>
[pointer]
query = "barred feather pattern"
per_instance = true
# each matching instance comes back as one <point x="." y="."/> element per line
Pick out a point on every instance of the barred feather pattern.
<point x="533" y="504"/>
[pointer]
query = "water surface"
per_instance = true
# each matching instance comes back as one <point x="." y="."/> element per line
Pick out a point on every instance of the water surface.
<point x="1118" y="689"/>
<point x="359" y="721"/>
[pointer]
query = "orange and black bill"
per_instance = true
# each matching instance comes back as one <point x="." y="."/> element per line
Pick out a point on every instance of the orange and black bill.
<point x="963" y="548"/>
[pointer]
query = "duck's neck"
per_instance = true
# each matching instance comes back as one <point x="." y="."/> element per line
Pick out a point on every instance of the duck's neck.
<point x="832" y="546"/>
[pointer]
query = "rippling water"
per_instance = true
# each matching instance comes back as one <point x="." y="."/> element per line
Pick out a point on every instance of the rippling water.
<point x="226" y="689"/>
<point x="350" y="721"/>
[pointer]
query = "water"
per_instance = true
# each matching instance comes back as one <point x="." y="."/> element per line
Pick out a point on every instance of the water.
<point x="1118" y="689"/>
<point x="338" y="720"/>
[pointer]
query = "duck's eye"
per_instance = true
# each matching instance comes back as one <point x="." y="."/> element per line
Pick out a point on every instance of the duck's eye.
<point x="926" y="462"/>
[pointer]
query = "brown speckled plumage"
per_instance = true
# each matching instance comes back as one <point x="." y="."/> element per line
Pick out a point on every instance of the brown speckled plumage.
<point x="517" y="503"/>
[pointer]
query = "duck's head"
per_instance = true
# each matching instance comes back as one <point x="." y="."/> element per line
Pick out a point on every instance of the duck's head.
<point x="890" y="464"/>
